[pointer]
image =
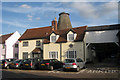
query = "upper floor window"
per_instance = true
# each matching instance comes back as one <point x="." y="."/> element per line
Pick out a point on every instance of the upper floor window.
<point x="53" y="38"/>
<point x="16" y="45"/>
<point x="70" y="37"/>
<point x="25" y="43"/>
<point x="38" y="43"/>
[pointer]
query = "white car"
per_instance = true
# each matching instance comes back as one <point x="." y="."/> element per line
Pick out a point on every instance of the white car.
<point x="73" y="64"/>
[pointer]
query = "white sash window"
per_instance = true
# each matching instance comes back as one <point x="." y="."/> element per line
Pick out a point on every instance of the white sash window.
<point x="53" y="55"/>
<point x="71" y="54"/>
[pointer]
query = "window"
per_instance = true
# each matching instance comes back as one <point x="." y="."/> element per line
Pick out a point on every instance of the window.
<point x="25" y="44"/>
<point x="71" y="54"/>
<point x="53" y="55"/>
<point x="3" y="46"/>
<point x="16" y="45"/>
<point x="38" y="43"/>
<point x="16" y="55"/>
<point x="53" y="38"/>
<point x="25" y="55"/>
<point x="70" y="37"/>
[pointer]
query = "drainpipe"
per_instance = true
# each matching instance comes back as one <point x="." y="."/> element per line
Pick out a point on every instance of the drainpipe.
<point x="60" y="52"/>
<point x="84" y="51"/>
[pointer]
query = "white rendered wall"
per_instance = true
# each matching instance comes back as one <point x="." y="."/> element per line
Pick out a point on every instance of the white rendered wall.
<point x="9" y="44"/>
<point x="106" y="36"/>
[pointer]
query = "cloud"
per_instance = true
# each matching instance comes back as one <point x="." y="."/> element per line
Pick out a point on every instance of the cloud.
<point x="30" y="19"/>
<point x="90" y="10"/>
<point x="25" y="6"/>
<point x="15" y="23"/>
<point x="38" y="18"/>
<point x="86" y="9"/>
<point x="29" y="16"/>
<point x="35" y="10"/>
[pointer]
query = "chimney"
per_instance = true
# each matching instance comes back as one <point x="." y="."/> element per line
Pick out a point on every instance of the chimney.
<point x="64" y="21"/>
<point x="54" y="24"/>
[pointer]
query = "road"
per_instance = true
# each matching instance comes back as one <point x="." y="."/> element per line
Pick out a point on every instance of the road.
<point x="84" y="73"/>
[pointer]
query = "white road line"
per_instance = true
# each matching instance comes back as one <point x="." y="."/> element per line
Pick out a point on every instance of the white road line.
<point x="81" y="71"/>
<point x="90" y="71"/>
<point x="51" y="72"/>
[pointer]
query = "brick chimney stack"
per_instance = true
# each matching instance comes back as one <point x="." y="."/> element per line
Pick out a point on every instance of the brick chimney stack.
<point x="54" y="24"/>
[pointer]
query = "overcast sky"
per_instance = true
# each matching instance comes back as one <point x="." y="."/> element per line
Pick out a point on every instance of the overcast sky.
<point x="19" y="16"/>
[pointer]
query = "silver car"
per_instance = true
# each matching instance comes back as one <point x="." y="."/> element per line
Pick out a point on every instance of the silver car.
<point x="73" y="64"/>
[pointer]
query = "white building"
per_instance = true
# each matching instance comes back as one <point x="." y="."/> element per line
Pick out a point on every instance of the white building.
<point x="9" y="45"/>
<point x="102" y="41"/>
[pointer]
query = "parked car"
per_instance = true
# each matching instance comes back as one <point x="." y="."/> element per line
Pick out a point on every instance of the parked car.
<point x="15" y="64"/>
<point x="5" y="63"/>
<point x="30" y="63"/>
<point x="50" y="64"/>
<point x="73" y="64"/>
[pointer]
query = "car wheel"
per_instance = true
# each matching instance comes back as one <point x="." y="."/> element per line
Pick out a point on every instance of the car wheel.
<point x="78" y="69"/>
<point x="35" y="67"/>
<point x="64" y="69"/>
<point x="8" y="67"/>
<point x="84" y="67"/>
<point x="51" y="68"/>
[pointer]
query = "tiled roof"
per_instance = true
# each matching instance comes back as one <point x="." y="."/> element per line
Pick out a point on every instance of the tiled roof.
<point x="62" y="38"/>
<point x="104" y="27"/>
<point x="37" y="50"/>
<point x="4" y="37"/>
<point x="46" y="41"/>
<point x="80" y="31"/>
<point x="36" y="33"/>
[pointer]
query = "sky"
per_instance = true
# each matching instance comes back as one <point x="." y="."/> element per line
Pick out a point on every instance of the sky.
<point x="19" y="16"/>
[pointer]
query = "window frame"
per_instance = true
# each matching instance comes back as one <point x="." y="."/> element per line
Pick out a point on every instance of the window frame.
<point x="70" y="37"/>
<point x="52" y="38"/>
<point x="3" y="46"/>
<point x="25" y="53"/>
<point x="26" y="43"/>
<point x="55" y="53"/>
<point x="74" y="54"/>
<point x="39" y="43"/>
<point x="16" y="45"/>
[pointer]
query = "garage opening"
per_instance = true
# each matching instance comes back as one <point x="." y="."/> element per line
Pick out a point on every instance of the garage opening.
<point x="106" y="52"/>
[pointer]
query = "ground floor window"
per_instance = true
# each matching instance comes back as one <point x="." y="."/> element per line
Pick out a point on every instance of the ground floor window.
<point x="53" y="55"/>
<point x="25" y="55"/>
<point x="16" y="55"/>
<point x="71" y="54"/>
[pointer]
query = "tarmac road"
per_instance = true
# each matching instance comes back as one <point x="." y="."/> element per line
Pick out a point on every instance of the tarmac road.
<point x="56" y="74"/>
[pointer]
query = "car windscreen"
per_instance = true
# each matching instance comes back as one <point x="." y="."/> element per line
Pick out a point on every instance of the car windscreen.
<point x="45" y="61"/>
<point x="27" y="61"/>
<point x="69" y="61"/>
<point x="3" y="61"/>
<point x="10" y="60"/>
<point x="17" y="61"/>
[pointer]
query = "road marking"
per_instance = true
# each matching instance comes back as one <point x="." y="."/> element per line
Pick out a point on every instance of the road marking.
<point x="51" y="72"/>
<point x="81" y="71"/>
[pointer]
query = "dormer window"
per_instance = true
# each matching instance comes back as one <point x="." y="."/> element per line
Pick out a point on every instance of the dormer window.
<point x="70" y="37"/>
<point x="53" y="38"/>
